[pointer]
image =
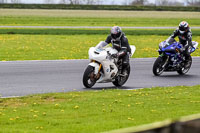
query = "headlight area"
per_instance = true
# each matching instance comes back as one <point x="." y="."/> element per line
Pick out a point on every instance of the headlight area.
<point x="161" y="45"/>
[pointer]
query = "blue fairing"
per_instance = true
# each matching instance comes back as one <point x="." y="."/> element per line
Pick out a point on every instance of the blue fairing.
<point x="172" y="54"/>
<point x="171" y="49"/>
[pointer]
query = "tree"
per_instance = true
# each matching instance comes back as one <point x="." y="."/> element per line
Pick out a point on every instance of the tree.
<point x="99" y="2"/>
<point x="74" y="2"/>
<point x="15" y="1"/>
<point x="162" y="2"/>
<point x="63" y="1"/>
<point x="192" y="2"/>
<point x="89" y="2"/>
<point x="126" y="2"/>
<point x="2" y="1"/>
<point x="48" y="1"/>
<point x="169" y="3"/>
<point x="113" y="2"/>
<point x="176" y="3"/>
<point x="139" y="2"/>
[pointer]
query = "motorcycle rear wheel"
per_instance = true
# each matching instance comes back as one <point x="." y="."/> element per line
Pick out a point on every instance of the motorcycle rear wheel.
<point x="122" y="78"/>
<point x="186" y="67"/>
<point x="88" y="82"/>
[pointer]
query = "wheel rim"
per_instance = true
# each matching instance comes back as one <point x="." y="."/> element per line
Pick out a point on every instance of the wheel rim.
<point x="159" y="65"/>
<point x="122" y="79"/>
<point x="91" y="81"/>
<point x="159" y="69"/>
<point x="186" y="67"/>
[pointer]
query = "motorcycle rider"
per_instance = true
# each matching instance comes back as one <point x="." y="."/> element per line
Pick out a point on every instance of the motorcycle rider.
<point x="185" y="37"/>
<point x="119" y="42"/>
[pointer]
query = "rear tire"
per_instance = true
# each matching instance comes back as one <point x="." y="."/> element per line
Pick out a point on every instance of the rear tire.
<point x="121" y="80"/>
<point x="158" y="68"/>
<point x="186" y="67"/>
<point x="88" y="82"/>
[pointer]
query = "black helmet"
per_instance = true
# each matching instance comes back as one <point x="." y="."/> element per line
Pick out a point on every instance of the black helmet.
<point x="183" y="27"/>
<point x="116" y="32"/>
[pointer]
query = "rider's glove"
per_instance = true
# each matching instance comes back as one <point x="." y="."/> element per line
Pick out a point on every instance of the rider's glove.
<point x="114" y="55"/>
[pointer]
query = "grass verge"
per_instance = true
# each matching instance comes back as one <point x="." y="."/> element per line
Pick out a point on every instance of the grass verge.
<point x="97" y="111"/>
<point x="52" y="47"/>
<point x="58" y="21"/>
<point x="37" y="17"/>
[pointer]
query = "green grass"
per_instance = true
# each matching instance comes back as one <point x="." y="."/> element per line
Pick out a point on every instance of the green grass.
<point x="52" y="47"/>
<point x="51" y="44"/>
<point x="53" y="21"/>
<point x="96" y="111"/>
<point x="93" y="13"/>
<point x="89" y="111"/>
<point x="90" y="18"/>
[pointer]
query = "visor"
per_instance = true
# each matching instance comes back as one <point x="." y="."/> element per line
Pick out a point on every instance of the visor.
<point x="115" y="36"/>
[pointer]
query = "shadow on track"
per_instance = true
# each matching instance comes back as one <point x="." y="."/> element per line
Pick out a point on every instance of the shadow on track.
<point x="177" y="76"/>
<point x="112" y="87"/>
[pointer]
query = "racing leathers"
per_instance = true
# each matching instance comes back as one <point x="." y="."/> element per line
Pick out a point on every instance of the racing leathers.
<point x="123" y="48"/>
<point x="185" y="39"/>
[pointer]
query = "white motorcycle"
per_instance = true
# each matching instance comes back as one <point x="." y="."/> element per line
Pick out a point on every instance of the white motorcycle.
<point x="104" y="68"/>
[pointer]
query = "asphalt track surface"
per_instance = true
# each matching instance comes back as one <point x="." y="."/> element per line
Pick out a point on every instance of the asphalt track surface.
<point x="20" y="78"/>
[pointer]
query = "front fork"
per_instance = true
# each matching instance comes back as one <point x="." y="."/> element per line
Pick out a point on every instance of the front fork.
<point x="97" y="69"/>
<point x="166" y="61"/>
<point x="98" y="73"/>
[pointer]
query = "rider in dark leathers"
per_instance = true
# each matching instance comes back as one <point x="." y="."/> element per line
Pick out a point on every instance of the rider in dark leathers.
<point x="185" y="37"/>
<point x="119" y="42"/>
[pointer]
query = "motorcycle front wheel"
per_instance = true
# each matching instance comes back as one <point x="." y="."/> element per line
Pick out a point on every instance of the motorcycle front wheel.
<point x="158" y="68"/>
<point x="122" y="77"/>
<point x="186" y="67"/>
<point x="89" y="77"/>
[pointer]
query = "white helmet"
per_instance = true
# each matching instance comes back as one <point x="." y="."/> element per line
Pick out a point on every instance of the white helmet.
<point x="183" y="27"/>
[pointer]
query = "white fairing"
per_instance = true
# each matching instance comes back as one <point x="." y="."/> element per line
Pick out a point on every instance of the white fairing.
<point x="101" y="45"/>
<point x="133" y="48"/>
<point x="97" y="54"/>
<point x="195" y="45"/>
<point x="102" y="56"/>
<point x="96" y="66"/>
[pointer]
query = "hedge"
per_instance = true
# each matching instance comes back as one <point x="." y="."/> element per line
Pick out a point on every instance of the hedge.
<point x="100" y="7"/>
<point x="90" y="31"/>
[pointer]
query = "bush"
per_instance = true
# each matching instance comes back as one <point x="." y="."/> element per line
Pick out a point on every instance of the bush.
<point x="99" y="7"/>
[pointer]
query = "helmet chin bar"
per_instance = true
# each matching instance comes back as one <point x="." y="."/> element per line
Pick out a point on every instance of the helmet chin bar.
<point x="182" y="32"/>
<point x="118" y="38"/>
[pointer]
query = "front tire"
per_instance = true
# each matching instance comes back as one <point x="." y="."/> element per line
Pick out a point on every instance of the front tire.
<point x="122" y="77"/>
<point x="158" y="68"/>
<point x="88" y="77"/>
<point x="186" y="67"/>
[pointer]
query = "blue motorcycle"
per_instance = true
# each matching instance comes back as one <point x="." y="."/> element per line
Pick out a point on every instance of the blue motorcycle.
<point x="171" y="59"/>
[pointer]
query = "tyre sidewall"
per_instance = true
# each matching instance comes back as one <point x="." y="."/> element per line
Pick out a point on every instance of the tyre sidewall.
<point x="87" y="72"/>
<point x="156" y="64"/>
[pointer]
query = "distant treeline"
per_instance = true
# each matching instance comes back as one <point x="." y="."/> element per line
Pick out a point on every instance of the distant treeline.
<point x="101" y="7"/>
